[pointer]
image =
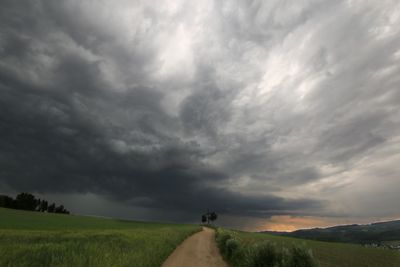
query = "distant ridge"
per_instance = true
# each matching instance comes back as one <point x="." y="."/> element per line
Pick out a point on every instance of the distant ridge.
<point x="374" y="233"/>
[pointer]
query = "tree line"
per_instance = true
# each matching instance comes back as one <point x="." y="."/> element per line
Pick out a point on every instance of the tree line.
<point x="27" y="201"/>
<point x="209" y="217"/>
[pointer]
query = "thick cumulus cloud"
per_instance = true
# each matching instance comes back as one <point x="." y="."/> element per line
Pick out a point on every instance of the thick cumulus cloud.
<point x="253" y="108"/>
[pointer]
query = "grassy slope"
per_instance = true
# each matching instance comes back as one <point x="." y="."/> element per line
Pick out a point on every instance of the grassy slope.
<point x="37" y="239"/>
<point x="334" y="254"/>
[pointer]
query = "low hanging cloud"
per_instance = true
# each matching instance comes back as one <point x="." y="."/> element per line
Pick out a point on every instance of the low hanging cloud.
<point x="254" y="109"/>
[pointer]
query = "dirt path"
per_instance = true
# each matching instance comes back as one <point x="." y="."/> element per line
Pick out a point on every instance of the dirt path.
<point x="197" y="250"/>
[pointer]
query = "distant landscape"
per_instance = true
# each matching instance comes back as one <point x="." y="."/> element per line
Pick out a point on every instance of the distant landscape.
<point x="43" y="239"/>
<point x="381" y="234"/>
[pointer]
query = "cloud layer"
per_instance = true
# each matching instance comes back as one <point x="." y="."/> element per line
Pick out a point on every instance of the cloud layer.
<point x="252" y="108"/>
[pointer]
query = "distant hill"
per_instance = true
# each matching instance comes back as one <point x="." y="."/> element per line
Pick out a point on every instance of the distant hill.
<point x="374" y="233"/>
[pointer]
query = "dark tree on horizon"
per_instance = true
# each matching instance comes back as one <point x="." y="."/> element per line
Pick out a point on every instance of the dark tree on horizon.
<point x="27" y="201"/>
<point x="61" y="209"/>
<point x="51" y="208"/>
<point x="213" y="216"/>
<point x="203" y="218"/>
<point x="7" y="202"/>
<point x="43" y="205"/>
<point x="209" y="216"/>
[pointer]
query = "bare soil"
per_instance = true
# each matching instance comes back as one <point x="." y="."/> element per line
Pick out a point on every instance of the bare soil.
<point x="199" y="250"/>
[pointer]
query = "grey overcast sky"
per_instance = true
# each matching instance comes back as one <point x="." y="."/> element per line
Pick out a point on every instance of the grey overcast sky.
<point x="277" y="114"/>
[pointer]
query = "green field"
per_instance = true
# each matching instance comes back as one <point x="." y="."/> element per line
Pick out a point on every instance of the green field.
<point x="328" y="254"/>
<point x="41" y="239"/>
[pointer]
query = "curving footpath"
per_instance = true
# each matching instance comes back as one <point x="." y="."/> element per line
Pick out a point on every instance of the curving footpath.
<point x="198" y="250"/>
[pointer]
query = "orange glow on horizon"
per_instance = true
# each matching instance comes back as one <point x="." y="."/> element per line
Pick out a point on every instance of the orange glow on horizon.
<point x="288" y="223"/>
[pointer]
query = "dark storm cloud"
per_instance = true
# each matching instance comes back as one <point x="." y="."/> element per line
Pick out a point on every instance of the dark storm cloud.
<point x="75" y="134"/>
<point x="255" y="109"/>
<point x="48" y="146"/>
